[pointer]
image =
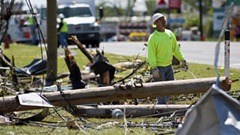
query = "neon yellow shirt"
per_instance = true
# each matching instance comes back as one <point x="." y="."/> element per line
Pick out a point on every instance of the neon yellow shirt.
<point x="64" y="27"/>
<point x="31" y="21"/>
<point x="161" y="48"/>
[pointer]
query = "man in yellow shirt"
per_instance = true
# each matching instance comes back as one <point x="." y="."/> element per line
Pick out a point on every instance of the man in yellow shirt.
<point x="62" y="29"/>
<point x="32" y="25"/>
<point x="162" y="45"/>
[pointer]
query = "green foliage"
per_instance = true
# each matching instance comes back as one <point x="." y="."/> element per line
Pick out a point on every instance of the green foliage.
<point x="150" y="6"/>
<point x="207" y="5"/>
<point x="191" y="21"/>
<point x="208" y="29"/>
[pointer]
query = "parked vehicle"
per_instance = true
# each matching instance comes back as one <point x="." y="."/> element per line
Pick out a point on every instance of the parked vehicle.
<point x="19" y="30"/>
<point x="192" y="34"/>
<point x="80" y="16"/>
<point x="82" y="21"/>
<point x="118" y="38"/>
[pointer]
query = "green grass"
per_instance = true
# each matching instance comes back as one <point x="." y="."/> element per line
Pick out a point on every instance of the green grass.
<point x="24" y="54"/>
<point x="53" y="124"/>
<point x="204" y="71"/>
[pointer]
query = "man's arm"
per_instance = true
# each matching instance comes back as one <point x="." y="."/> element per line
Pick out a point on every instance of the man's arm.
<point x="178" y="54"/>
<point x="176" y="49"/>
<point x="151" y="53"/>
<point x="60" y="26"/>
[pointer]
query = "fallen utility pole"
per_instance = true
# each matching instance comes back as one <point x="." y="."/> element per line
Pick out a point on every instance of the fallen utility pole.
<point x="105" y="111"/>
<point x="110" y="93"/>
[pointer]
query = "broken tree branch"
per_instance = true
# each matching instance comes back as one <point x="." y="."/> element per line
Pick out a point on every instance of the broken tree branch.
<point x="75" y="74"/>
<point x="80" y="46"/>
<point x="139" y="66"/>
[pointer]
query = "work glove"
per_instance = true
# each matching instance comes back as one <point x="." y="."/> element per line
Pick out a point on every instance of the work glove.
<point x="184" y="64"/>
<point x="155" y="73"/>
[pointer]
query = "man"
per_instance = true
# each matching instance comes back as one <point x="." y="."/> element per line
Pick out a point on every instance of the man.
<point x="162" y="45"/>
<point x="32" y="25"/>
<point x="63" y="29"/>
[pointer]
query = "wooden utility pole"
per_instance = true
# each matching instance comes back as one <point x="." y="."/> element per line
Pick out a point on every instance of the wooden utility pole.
<point x="110" y="93"/>
<point x="51" y="41"/>
<point x="104" y="111"/>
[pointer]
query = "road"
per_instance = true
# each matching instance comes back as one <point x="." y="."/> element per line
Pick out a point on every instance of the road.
<point x="194" y="52"/>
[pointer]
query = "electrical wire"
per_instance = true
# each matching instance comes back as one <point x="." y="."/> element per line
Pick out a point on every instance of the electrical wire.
<point x="41" y="38"/>
<point x="58" y="85"/>
<point x="188" y="72"/>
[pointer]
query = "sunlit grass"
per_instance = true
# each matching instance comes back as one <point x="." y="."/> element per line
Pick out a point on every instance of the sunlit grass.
<point x="53" y="124"/>
<point x="24" y="54"/>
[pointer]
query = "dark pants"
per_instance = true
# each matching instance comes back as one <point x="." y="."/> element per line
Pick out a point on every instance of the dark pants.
<point x="33" y="34"/>
<point x="63" y="40"/>
<point x="166" y="74"/>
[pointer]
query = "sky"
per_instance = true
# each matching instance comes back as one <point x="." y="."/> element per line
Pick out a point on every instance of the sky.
<point x="39" y="3"/>
<point x="34" y="3"/>
<point x="123" y="3"/>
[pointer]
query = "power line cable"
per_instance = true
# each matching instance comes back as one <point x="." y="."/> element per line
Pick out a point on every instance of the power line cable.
<point x="41" y="37"/>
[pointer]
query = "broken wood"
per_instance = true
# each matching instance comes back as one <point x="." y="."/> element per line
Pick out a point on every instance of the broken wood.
<point x="134" y="71"/>
<point x="110" y="93"/>
<point x="4" y="63"/>
<point x="14" y="74"/>
<point x="75" y="74"/>
<point x="99" y="63"/>
<point x="105" y="111"/>
<point x="105" y="79"/>
<point x="128" y="65"/>
<point x="101" y="66"/>
<point x="80" y="46"/>
<point x="85" y="77"/>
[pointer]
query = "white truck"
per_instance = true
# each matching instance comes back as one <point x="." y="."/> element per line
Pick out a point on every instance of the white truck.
<point x="19" y="30"/>
<point x="80" y="16"/>
<point x="82" y="21"/>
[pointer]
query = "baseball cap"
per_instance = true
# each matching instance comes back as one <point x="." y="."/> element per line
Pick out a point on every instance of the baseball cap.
<point x="155" y="17"/>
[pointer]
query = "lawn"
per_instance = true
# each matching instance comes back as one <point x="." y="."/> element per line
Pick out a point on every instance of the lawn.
<point x="55" y="122"/>
<point x="24" y="54"/>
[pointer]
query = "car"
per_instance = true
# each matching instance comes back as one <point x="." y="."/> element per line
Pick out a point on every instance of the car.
<point x="192" y="34"/>
<point x="118" y="38"/>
